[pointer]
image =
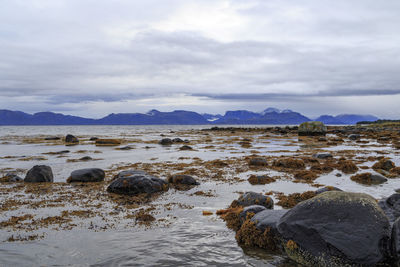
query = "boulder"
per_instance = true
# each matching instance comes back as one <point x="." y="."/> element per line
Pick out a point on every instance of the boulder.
<point x="268" y="218"/>
<point x="368" y="178"/>
<point x="177" y="140"/>
<point x="336" y="229"/>
<point x="252" y="198"/>
<point x="11" y="178"/>
<point x="326" y="189"/>
<point x="395" y="242"/>
<point x="312" y="128"/>
<point x="250" y="209"/>
<point x="127" y="173"/>
<point x="87" y="175"/>
<point x="391" y="206"/>
<point x="39" y="174"/>
<point x="53" y="138"/>
<point x="260" y="179"/>
<point x="71" y="139"/>
<point x="93" y="138"/>
<point x="354" y="136"/>
<point x="185" y="147"/>
<point x="384" y="164"/>
<point x="182" y="179"/>
<point x="166" y="142"/>
<point x="137" y="183"/>
<point x="108" y="142"/>
<point x="322" y="155"/>
<point x="259" y="161"/>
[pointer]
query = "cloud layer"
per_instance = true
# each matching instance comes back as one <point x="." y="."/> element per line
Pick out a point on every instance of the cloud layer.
<point x="93" y="57"/>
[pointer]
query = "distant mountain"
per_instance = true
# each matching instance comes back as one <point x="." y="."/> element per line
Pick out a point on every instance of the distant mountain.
<point x="268" y="116"/>
<point x="211" y="117"/>
<point x="153" y="117"/>
<point x="8" y="117"/>
<point x="345" y="118"/>
<point x="180" y="117"/>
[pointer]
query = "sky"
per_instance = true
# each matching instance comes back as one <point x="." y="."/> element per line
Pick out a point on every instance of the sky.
<point x="95" y="57"/>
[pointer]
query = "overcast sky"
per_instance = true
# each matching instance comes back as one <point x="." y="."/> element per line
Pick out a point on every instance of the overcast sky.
<point x="94" y="57"/>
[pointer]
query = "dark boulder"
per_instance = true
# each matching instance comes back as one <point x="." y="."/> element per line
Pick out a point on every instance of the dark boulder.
<point x="177" y="140"/>
<point x="87" y="175"/>
<point x="354" y="136"/>
<point x="185" y="147"/>
<point x="252" y="198"/>
<point x="93" y="138"/>
<point x="336" y="229"/>
<point x="53" y="138"/>
<point x="268" y="218"/>
<point x="322" y="155"/>
<point x="384" y="164"/>
<point x="259" y="161"/>
<point x="391" y="206"/>
<point x="368" y="178"/>
<point x="395" y="242"/>
<point x="182" y="179"/>
<point x="140" y="182"/>
<point x="326" y="189"/>
<point x="165" y="142"/>
<point x="250" y="209"/>
<point x="312" y="128"/>
<point x="11" y="178"/>
<point x="127" y="173"/>
<point x="71" y="139"/>
<point x="39" y="174"/>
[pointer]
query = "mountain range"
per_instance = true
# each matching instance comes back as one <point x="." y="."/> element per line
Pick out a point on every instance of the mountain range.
<point x="178" y="117"/>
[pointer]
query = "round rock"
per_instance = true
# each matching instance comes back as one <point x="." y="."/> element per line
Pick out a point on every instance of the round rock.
<point x="39" y="174"/>
<point x="182" y="179"/>
<point x="335" y="229"/>
<point x="87" y="175"/>
<point x="140" y="182"/>
<point x="252" y="198"/>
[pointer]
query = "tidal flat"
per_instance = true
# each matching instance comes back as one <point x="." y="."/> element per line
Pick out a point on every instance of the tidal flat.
<point x="61" y="223"/>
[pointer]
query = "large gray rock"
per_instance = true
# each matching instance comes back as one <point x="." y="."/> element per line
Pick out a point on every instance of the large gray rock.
<point x="182" y="179"/>
<point x="250" y="209"/>
<point x="39" y="174"/>
<point x="71" y="139"/>
<point x="137" y="183"/>
<point x="268" y="218"/>
<point x="336" y="229"/>
<point x="166" y="142"/>
<point x="391" y="206"/>
<point x="87" y="175"/>
<point x="312" y="128"/>
<point x="395" y="242"/>
<point x="252" y="198"/>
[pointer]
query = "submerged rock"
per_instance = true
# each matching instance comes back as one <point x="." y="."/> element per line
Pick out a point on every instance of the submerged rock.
<point x="182" y="179"/>
<point x="137" y="183"/>
<point x="39" y="174"/>
<point x="87" y="175"/>
<point x="335" y="229"/>
<point x="252" y="198"/>
<point x="185" y="147"/>
<point x="312" y="128"/>
<point x="71" y="139"/>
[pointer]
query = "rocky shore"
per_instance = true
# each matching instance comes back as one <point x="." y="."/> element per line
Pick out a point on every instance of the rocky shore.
<point x="324" y="226"/>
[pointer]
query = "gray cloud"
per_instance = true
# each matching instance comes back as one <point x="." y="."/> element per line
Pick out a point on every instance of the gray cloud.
<point x="59" y="53"/>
